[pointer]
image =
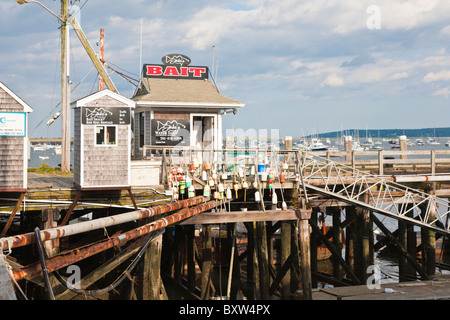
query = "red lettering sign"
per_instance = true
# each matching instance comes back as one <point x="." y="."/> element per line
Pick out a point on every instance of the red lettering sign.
<point x="175" y="72"/>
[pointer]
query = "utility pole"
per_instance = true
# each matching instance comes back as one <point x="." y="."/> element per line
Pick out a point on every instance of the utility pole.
<point x="65" y="92"/>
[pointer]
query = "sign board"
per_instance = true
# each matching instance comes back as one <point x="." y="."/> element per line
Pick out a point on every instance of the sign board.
<point x="13" y="124"/>
<point x="105" y="115"/>
<point x="173" y="132"/>
<point x="175" y="72"/>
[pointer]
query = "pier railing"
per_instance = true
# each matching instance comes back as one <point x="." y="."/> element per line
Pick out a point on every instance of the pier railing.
<point x="380" y="162"/>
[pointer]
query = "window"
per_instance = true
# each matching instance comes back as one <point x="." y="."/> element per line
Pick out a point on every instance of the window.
<point x="105" y="135"/>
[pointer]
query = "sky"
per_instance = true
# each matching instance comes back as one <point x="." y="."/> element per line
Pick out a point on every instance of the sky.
<point x="300" y="67"/>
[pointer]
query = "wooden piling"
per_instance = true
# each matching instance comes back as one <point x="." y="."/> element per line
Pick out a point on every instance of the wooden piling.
<point x="285" y="253"/>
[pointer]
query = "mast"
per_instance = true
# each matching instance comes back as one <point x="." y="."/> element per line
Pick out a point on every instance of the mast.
<point x="101" y="83"/>
<point x="65" y="93"/>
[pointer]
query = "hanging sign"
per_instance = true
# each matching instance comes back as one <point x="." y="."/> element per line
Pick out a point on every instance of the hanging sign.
<point x="176" y="66"/>
<point x="105" y="115"/>
<point x="13" y="124"/>
<point x="170" y="132"/>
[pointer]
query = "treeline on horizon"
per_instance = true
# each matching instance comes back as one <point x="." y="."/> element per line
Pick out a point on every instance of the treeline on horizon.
<point x="388" y="133"/>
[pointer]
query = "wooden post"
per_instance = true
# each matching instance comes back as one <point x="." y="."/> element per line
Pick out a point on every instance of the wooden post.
<point x="65" y="91"/>
<point x="263" y="259"/>
<point x="314" y="247"/>
<point x="363" y="243"/>
<point x="348" y="144"/>
<point x="350" y="238"/>
<point x="403" y="146"/>
<point x="305" y="254"/>
<point x="153" y="288"/>
<point x="337" y="240"/>
<point x="407" y="238"/>
<point x="285" y="253"/>
<point x="380" y="163"/>
<point x="190" y="230"/>
<point x="429" y="239"/>
<point x="207" y="262"/>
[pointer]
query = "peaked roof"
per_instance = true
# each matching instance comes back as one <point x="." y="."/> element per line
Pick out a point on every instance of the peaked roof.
<point x="181" y="92"/>
<point x="100" y="94"/>
<point x="26" y="107"/>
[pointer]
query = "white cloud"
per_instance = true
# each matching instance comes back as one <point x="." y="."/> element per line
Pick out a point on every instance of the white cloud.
<point x="333" y="80"/>
<point x="442" y="92"/>
<point x="443" y="75"/>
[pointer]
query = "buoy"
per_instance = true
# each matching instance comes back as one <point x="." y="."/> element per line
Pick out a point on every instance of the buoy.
<point x="241" y="172"/>
<point x="270" y="183"/>
<point x="245" y="185"/>
<point x="206" y="191"/>
<point x="211" y="182"/>
<point x="182" y="187"/>
<point x="229" y="194"/>
<point x="285" y="166"/>
<point x="195" y="163"/>
<point x="204" y="176"/>
<point x="216" y="195"/>
<point x="282" y="178"/>
<point x="214" y="175"/>
<point x="284" y="206"/>
<point x="224" y="176"/>
<point x="263" y="177"/>
<point x="207" y="166"/>
<point x="188" y="182"/>
<point x="180" y="170"/>
<point x="192" y="168"/>
<point x="191" y="191"/>
<point x="297" y="177"/>
<point x="252" y="171"/>
<point x="257" y="196"/>
<point x="274" y="198"/>
<point x="220" y="188"/>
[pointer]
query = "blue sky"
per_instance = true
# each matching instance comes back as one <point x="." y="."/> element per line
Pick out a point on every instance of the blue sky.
<point x="311" y="66"/>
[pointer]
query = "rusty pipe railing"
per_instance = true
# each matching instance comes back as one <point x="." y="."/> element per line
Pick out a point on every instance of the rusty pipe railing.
<point x="21" y="240"/>
<point x="65" y="259"/>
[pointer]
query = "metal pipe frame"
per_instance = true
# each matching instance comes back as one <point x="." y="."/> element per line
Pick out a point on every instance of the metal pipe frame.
<point x="21" y="240"/>
<point x="67" y="258"/>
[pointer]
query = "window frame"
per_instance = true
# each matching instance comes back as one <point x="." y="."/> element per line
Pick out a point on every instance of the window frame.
<point x="104" y="135"/>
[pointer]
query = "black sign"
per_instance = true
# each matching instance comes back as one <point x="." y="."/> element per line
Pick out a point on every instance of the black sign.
<point x="175" y="72"/>
<point x="176" y="59"/>
<point x="170" y="132"/>
<point x="105" y="115"/>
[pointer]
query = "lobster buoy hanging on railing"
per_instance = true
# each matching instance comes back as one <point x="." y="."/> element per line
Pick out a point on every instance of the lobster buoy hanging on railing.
<point x="274" y="198"/>
<point x="191" y="190"/>
<point x="283" y="206"/>
<point x="206" y="191"/>
<point x="188" y="182"/>
<point x="229" y="194"/>
<point x="257" y="196"/>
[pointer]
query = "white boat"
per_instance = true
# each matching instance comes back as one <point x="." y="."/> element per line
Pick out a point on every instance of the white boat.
<point x="57" y="150"/>
<point x="38" y="147"/>
<point x="420" y="142"/>
<point x="356" y="146"/>
<point x="433" y="141"/>
<point x="317" y="145"/>
<point x="447" y="144"/>
<point x="367" y="143"/>
<point x="43" y="157"/>
<point x="376" y="147"/>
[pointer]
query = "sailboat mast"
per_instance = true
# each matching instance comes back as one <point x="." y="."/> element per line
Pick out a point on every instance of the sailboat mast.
<point x="65" y="93"/>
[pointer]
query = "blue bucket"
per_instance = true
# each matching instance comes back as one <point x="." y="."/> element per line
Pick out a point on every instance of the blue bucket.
<point x="262" y="168"/>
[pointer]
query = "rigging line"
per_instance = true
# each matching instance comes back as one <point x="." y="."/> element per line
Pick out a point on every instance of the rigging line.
<point x="123" y="69"/>
<point x="122" y="74"/>
<point x="127" y="78"/>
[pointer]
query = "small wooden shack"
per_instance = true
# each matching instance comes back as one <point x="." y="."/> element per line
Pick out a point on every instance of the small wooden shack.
<point x="177" y="105"/>
<point x="102" y="141"/>
<point x="14" y="148"/>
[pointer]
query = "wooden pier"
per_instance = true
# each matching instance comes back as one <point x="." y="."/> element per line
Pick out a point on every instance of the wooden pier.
<point x="244" y="246"/>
